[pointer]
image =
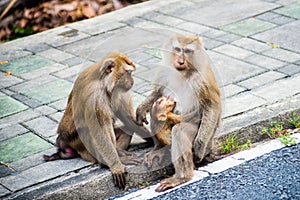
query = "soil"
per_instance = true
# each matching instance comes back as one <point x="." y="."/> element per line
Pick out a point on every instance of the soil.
<point x="26" y="17"/>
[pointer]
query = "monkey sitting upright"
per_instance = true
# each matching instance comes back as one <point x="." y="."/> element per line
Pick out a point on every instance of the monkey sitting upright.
<point x="163" y="119"/>
<point x="100" y="96"/>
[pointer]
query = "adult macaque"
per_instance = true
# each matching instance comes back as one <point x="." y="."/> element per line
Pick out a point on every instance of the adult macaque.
<point x="189" y="79"/>
<point x="100" y="96"/>
<point x="163" y="119"/>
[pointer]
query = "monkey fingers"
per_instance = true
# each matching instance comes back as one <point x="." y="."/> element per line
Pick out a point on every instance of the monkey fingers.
<point x="119" y="180"/>
<point x="141" y="117"/>
<point x="122" y="152"/>
<point x="150" y="156"/>
<point x="130" y="160"/>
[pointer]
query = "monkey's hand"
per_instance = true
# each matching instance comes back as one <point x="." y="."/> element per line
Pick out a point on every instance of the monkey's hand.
<point x="141" y="116"/>
<point x="128" y="158"/>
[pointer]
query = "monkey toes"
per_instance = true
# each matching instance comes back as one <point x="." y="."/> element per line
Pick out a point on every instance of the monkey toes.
<point x="168" y="184"/>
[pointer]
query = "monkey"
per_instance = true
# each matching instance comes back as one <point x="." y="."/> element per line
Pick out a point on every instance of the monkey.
<point x="162" y="119"/>
<point x="188" y="76"/>
<point x="100" y="96"/>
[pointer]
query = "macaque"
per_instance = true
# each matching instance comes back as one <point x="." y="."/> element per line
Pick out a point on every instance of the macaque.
<point x="100" y="96"/>
<point x="188" y="78"/>
<point x="163" y="119"/>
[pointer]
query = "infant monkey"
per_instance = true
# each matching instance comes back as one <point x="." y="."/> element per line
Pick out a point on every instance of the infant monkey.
<point x="163" y="119"/>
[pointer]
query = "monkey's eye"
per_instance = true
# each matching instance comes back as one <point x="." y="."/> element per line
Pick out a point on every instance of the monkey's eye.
<point x="177" y="49"/>
<point x="188" y="51"/>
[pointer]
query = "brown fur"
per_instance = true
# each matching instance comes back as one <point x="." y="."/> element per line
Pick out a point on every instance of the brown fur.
<point x="101" y="95"/>
<point x="163" y="119"/>
<point x="192" y="81"/>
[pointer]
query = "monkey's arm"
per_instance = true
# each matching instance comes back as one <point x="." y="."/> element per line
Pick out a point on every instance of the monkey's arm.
<point x="209" y="123"/>
<point x="174" y="118"/>
<point x="144" y="107"/>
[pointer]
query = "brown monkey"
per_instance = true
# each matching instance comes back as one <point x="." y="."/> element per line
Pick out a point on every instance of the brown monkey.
<point x="163" y="119"/>
<point x="100" y="95"/>
<point x="189" y="79"/>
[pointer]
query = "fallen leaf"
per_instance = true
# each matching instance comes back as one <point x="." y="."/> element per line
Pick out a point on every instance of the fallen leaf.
<point x="8" y="73"/>
<point x="273" y="45"/>
<point x="3" y="62"/>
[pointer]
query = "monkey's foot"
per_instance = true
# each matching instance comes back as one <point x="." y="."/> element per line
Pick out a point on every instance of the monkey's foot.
<point x="150" y="156"/>
<point x="169" y="183"/>
<point x="130" y="160"/>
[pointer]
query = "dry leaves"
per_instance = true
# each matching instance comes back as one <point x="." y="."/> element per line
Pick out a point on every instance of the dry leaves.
<point x="25" y="20"/>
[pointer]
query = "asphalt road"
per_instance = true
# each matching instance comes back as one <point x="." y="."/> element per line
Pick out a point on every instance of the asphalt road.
<point x="275" y="175"/>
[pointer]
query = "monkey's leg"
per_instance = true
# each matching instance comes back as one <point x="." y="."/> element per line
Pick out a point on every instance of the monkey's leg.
<point x="208" y="126"/>
<point x="123" y="139"/>
<point x="183" y="135"/>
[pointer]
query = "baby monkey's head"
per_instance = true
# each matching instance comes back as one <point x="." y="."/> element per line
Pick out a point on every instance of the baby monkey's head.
<point x="161" y="107"/>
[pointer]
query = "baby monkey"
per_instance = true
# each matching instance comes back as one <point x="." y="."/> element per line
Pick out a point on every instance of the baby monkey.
<point x="163" y="119"/>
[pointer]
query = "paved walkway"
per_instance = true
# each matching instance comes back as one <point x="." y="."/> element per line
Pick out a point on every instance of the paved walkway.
<point x="259" y="81"/>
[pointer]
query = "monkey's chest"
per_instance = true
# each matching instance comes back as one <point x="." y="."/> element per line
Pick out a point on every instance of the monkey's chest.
<point x="183" y="95"/>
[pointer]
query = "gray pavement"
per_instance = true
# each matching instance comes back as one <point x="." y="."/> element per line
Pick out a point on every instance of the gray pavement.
<point x="259" y="82"/>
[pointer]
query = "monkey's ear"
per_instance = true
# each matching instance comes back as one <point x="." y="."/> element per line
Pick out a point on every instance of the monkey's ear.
<point x="108" y="66"/>
<point x="162" y="117"/>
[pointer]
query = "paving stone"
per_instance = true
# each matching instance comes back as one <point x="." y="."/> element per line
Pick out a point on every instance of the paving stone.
<point x="3" y="191"/>
<point x="9" y="106"/>
<point x="59" y="105"/>
<point x="283" y="36"/>
<point x="290" y="69"/>
<point x="61" y="36"/>
<point x="42" y="71"/>
<point x="282" y="20"/>
<point x="261" y="79"/>
<point x="290" y="10"/>
<point x="228" y="38"/>
<point x="286" y="2"/>
<point x="32" y="160"/>
<point x="265" y="61"/>
<point x="70" y="62"/>
<point x="45" y="110"/>
<point x="43" y="126"/>
<point x="248" y="27"/>
<point x="268" y="16"/>
<point x="230" y="90"/>
<point x="55" y="55"/>
<point x="229" y="70"/>
<point x="74" y="70"/>
<point x="41" y="173"/>
<point x="49" y="92"/>
<point x="12" y="53"/>
<point x="211" y="43"/>
<point x="283" y="55"/>
<point x="27" y="101"/>
<point x="12" y="131"/>
<point x="280" y="89"/>
<point x="251" y="45"/>
<point x="17" y="118"/>
<point x="95" y="26"/>
<point x="25" y="64"/>
<point x="21" y="146"/>
<point x="193" y="27"/>
<point x="241" y="103"/>
<point x="7" y="81"/>
<point x="33" y="83"/>
<point x="212" y="14"/>
<point x="56" y="116"/>
<point x="36" y="48"/>
<point x="163" y="19"/>
<point x="214" y="33"/>
<point x="233" y="51"/>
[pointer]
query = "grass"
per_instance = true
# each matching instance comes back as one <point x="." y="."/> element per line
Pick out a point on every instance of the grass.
<point x="284" y="131"/>
<point x="232" y="144"/>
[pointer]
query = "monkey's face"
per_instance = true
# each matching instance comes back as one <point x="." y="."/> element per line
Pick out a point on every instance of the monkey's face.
<point x="183" y="52"/>
<point x="162" y="107"/>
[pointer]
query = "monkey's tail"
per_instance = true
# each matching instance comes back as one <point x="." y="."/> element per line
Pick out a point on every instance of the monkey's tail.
<point x="66" y="153"/>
